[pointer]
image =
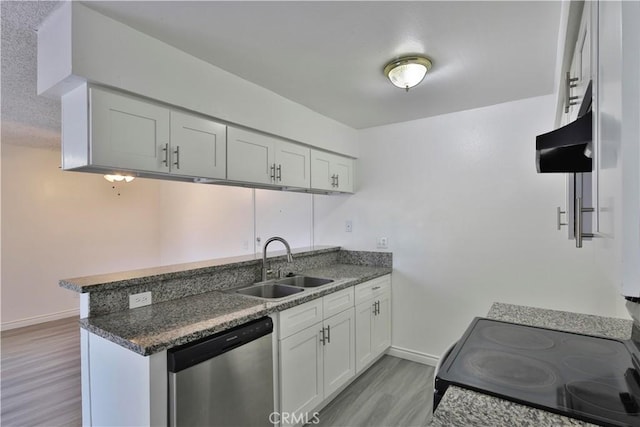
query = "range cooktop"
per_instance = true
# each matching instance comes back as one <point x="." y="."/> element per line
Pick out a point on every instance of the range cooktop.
<point x="589" y="378"/>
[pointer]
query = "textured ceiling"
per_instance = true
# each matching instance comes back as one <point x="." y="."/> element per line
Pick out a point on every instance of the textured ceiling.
<point x="27" y="119"/>
<point x="327" y="56"/>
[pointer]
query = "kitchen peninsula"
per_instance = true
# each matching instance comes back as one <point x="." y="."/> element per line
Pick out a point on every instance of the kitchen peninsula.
<point x="124" y="351"/>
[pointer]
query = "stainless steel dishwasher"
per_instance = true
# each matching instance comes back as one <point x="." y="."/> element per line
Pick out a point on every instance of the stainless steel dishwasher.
<point x="223" y="380"/>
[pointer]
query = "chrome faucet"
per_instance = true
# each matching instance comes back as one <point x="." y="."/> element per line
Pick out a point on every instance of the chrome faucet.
<point x="265" y="270"/>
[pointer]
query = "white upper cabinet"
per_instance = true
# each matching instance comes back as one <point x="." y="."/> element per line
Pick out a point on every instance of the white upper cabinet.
<point x="331" y="172"/>
<point x="127" y="133"/>
<point x="107" y="131"/>
<point x="198" y="146"/>
<point x="580" y="71"/>
<point x="261" y="159"/>
<point x="132" y="134"/>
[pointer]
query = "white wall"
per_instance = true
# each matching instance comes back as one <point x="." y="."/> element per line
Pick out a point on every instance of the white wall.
<point x="204" y="221"/>
<point x="62" y="224"/>
<point x="469" y="221"/>
<point x="66" y="224"/>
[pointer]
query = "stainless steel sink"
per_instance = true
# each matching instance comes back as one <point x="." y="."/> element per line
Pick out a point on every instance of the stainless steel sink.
<point x="269" y="290"/>
<point x="303" y="281"/>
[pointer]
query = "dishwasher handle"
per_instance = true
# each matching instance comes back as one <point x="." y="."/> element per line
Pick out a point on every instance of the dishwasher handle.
<point x="190" y="354"/>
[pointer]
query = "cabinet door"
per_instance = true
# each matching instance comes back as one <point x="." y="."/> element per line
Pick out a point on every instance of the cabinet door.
<point x="343" y="170"/>
<point x="250" y="156"/>
<point x="339" y="351"/>
<point x="581" y="61"/>
<point x="293" y="164"/>
<point x="301" y="371"/>
<point x="364" y="334"/>
<point x="198" y="147"/>
<point x="382" y="325"/>
<point x="127" y="133"/>
<point x="321" y="171"/>
<point x="331" y="172"/>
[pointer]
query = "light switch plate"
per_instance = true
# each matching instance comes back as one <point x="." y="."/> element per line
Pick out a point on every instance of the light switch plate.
<point x="382" y="243"/>
<point x="139" y="300"/>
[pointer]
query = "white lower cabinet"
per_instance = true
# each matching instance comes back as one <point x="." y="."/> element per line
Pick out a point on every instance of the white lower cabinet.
<point x="339" y="350"/>
<point x="324" y="343"/>
<point x="373" y="320"/>
<point x="301" y="372"/>
<point x="317" y="360"/>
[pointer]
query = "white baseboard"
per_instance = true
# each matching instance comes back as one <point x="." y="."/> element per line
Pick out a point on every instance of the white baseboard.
<point x="414" y="356"/>
<point x="5" y="326"/>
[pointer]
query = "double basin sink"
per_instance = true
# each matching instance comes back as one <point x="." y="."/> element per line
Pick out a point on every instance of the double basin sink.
<point x="281" y="288"/>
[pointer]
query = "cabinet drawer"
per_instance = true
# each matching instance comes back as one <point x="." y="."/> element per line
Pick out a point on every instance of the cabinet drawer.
<point x="337" y="302"/>
<point x="372" y="288"/>
<point x="300" y="317"/>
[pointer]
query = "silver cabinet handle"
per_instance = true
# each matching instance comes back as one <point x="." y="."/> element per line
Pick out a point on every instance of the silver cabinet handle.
<point x="337" y="180"/>
<point x="333" y="180"/>
<point x="273" y="172"/>
<point x="569" y="100"/>
<point x="375" y="288"/>
<point x="177" y="153"/>
<point x="279" y="173"/>
<point x="378" y="307"/>
<point x="328" y="334"/>
<point x="578" y="222"/>
<point x="322" y="337"/>
<point x="166" y="154"/>
<point x="559" y="214"/>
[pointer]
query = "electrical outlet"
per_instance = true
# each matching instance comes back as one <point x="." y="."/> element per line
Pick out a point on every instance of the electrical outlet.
<point x="139" y="300"/>
<point x="348" y="226"/>
<point x="382" y="243"/>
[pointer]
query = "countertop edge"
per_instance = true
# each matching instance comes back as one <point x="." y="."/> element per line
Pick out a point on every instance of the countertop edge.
<point x="211" y="326"/>
<point x="143" y="276"/>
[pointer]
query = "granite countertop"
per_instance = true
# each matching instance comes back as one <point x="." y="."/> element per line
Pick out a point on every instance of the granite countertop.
<point x="150" y="329"/>
<point x="462" y="407"/>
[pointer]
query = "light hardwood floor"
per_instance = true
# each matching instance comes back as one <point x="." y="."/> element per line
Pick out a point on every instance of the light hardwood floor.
<point x="40" y="384"/>
<point x="392" y="392"/>
<point x="40" y="375"/>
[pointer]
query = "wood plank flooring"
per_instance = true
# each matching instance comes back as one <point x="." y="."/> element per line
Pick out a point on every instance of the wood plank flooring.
<point x="393" y="392"/>
<point x="40" y="375"/>
<point x="40" y="384"/>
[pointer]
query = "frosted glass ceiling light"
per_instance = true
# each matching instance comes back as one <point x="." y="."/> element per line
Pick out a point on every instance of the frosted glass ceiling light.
<point x="408" y="71"/>
<point x="118" y="178"/>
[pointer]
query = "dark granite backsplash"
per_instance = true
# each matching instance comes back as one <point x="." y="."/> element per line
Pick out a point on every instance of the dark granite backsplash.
<point x="373" y="259"/>
<point x="175" y="285"/>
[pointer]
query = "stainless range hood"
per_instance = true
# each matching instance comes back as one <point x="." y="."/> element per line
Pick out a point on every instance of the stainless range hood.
<point x="567" y="149"/>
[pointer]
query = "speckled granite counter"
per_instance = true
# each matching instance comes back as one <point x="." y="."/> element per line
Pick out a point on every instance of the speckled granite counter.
<point x="462" y="407"/>
<point x="147" y="330"/>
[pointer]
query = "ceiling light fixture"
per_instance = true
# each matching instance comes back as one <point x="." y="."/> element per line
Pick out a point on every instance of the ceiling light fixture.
<point x="119" y="178"/>
<point x="408" y="71"/>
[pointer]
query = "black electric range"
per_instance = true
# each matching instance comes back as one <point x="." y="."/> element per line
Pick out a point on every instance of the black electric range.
<point x="584" y="377"/>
